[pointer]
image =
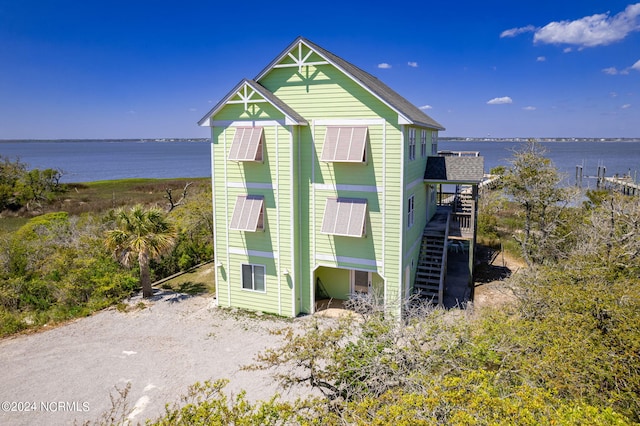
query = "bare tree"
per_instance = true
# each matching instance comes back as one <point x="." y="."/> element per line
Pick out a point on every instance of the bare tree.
<point x="172" y="203"/>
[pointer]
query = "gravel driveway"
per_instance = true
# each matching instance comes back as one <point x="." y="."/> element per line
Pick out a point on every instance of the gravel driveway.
<point x="68" y="373"/>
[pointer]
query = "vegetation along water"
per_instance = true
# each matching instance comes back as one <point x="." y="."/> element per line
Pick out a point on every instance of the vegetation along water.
<point x="87" y="161"/>
<point x="564" y="351"/>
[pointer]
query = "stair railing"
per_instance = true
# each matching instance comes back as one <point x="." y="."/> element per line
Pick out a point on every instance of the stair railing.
<point x="443" y="266"/>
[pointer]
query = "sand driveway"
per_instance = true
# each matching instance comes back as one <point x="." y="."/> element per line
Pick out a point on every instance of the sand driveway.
<point x="67" y="373"/>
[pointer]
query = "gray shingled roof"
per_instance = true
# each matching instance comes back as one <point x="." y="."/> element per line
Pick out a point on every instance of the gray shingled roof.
<point x="384" y="92"/>
<point x="454" y="169"/>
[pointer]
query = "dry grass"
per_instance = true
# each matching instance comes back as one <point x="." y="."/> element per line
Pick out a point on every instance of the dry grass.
<point x="94" y="197"/>
<point x="197" y="281"/>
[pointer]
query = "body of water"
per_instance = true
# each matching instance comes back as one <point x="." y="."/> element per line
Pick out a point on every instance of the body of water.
<point x="618" y="157"/>
<point x="85" y="161"/>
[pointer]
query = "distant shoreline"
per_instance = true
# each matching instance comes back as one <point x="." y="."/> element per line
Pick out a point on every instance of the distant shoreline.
<point x="440" y="139"/>
<point x="599" y="140"/>
<point x="142" y="140"/>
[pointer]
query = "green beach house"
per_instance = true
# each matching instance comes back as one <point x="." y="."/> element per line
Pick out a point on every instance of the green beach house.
<point x="320" y="186"/>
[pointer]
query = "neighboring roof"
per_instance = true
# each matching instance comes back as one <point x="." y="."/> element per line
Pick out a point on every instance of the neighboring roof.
<point x="291" y="116"/>
<point x="454" y="169"/>
<point x="366" y="80"/>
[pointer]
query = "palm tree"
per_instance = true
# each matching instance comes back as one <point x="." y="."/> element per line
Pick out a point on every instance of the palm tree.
<point x="141" y="234"/>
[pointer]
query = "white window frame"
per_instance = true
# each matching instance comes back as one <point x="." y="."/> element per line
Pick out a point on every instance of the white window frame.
<point x="434" y="142"/>
<point x="411" y="211"/>
<point x="423" y="143"/>
<point x="252" y="286"/>
<point x="412" y="144"/>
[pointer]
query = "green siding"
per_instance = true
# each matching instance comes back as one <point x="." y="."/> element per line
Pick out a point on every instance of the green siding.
<point x="296" y="184"/>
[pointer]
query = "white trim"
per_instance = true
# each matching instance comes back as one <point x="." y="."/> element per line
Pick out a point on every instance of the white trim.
<point x="226" y="218"/>
<point x="312" y="220"/>
<point x="292" y="211"/>
<point x="403" y="121"/>
<point x="213" y="213"/>
<point x="402" y="227"/>
<point x="352" y="260"/>
<point x="349" y="122"/>
<point x="257" y="253"/>
<point x="248" y="123"/>
<point x="354" y="188"/>
<point x="277" y="199"/>
<point x="250" y="185"/>
<point x="401" y="118"/>
<point x="253" y="290"/>
<point x="414" y="184"/>
<point x="383" y="207"/>
<point x="352" y="279"/>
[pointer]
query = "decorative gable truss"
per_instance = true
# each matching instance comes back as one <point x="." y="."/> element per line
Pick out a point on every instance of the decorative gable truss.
<point x="248" y="97"/>
<point x="300" y="56"/>
<point x="253" y="97"/>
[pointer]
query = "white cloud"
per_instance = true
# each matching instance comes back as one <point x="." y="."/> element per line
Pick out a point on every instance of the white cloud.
<point x="516" y="31"/>
<point x="529" y="108"/>
<point x="384" y="66"/>
<point x="636" y="66"/>
<point x="426" y="107"/>
<point x="567" y="50"/>
<point x="412" y="64"/>
<point x="626" y="106"/>
<point x="613" y="94"/>
<point x="610" y="71"/>
<point x="499" y="101"/>
<point x="595" y="30"/>
<point x="541" y="59"/>
<point x="192" y="109"/>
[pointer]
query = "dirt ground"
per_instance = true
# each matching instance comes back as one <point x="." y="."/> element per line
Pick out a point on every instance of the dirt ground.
<point x="161" y="347"/>
<point x="491" y="288"/>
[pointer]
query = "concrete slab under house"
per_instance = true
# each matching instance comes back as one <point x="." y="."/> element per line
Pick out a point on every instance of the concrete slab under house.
<point x="321" y="192"/>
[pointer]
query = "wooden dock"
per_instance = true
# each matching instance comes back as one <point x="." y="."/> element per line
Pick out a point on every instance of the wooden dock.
<point x="625" y="185"/>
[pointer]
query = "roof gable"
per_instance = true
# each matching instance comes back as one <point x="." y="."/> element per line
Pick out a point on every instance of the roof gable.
<point x="250" y="93"/>
<point x="303" y="52"/>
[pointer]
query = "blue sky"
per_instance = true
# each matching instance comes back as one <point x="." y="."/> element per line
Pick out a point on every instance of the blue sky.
<point x="147" y="69"/>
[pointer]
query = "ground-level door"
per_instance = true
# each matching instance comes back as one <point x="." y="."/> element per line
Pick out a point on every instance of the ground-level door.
<point x="360" y="282"/>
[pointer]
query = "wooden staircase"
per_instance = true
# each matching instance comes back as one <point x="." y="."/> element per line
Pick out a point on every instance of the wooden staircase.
<point x="432" y="263"/>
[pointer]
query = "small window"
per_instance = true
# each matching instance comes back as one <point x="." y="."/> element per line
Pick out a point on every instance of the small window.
<point x="247" y="144"/>
<point x="412" y="144"/>
<point x="434" y="142"/>
<point x="345" y="144"/>
<point x="253" y="277"/>
<point x="423" y="143"/>
<point x="411" y="211"/>
<point x="248" y="213"/>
